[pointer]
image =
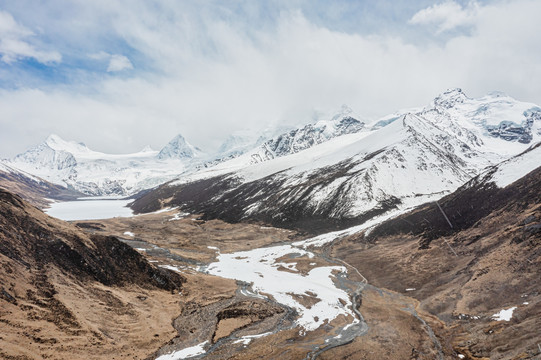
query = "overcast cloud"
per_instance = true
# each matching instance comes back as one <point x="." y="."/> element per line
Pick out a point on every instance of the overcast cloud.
<point x="118" y="75"/>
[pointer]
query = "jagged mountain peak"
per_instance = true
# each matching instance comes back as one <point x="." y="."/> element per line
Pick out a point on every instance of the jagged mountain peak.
<point x="345" y="111"/>
<point x="306" y="137"/>
<point x="450" y="98"/>
<point x="147" y="148"/>
<point x="178" y="148"/>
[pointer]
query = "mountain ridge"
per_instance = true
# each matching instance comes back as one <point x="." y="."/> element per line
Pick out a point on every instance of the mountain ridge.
<point x="418" y="158"/>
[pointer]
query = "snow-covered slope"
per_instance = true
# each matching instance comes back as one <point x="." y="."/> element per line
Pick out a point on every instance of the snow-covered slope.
<point x="416" y="158"/>
<point x="75" y="166"/>
<point x="515" y="168"/>
<point x="345" y="122"/>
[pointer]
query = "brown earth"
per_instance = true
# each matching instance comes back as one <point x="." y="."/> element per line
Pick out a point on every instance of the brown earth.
<point x="65" y="294"/>
<point x="468" y="275"/>
<point x="190" y="237"/>
<point x="423" y="301"/>
<point x="212" y="310"/>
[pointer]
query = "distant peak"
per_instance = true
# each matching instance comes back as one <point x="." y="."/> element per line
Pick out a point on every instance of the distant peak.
<point x="178" y="138"/>
<point x="497" y="94"/>
<point x="54" y="139"/>
<point x="147" y="149"/>
<point x="178" y="148"/>
<point x="450" y="98"/>
<point x="345" y="111"/>
<point x="55" y="142"/>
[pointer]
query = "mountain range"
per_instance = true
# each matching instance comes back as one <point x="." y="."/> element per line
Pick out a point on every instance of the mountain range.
<point x="414" y="236"/>
<point x="415" y="158"/>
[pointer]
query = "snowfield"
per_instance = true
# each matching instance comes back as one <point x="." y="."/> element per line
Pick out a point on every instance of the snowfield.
<point x="185" y="353"/>
<point x="260" y="268"/>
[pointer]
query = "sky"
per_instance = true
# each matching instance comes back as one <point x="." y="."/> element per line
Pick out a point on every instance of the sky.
<point x="121" y="74"/>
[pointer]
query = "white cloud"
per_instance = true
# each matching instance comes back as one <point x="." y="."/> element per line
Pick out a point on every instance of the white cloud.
<point x="14" y="44"/>
<point x="217" y="76"/>
<point x="119" y="63"/>
<point x="447" y="16"/>
<point x="116" y="62"/>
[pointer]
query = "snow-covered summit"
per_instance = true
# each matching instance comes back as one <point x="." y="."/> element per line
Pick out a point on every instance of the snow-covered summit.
<point x="324" y="172"/>
<point x="74" y="165"/>
<point x="450" y="98"/>
<point x="55" y="142"/>
<point x="497" y="120"/>
<point x="308" y="136"/>
<point x="178" y="148"/>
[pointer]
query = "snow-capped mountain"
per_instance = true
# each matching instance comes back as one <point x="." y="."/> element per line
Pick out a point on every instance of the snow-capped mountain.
<point x="75" y="166"/>
<point x="345" y="122"/>
<point x="178" y="148"/>
<point x="31" y="188"/>
<point x="418" y="157"/>
<point x="280" y="141"/>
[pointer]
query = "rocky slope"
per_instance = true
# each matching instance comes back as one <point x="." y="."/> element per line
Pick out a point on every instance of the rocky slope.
<point x="467" y="258"/>
<point x="33" y="189"/>
<point x="65" y="294"/>
<point x="349" y="179"/>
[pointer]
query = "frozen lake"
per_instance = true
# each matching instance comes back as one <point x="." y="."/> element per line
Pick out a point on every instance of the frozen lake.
<point x="90" y="209"/>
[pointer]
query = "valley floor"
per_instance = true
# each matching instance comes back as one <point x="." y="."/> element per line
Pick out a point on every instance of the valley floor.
<point x="228" y="320"/>
<point x="248" y="293"/>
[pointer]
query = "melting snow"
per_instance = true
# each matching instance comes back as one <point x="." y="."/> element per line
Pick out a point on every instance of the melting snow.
<point x="178" y="216"/>
<point x="247" y="339"/>
<point x="185" y="353"/>
<point x="504" y="315"/>
<point x="129" y="233"/>
<point x="260" y="267"/>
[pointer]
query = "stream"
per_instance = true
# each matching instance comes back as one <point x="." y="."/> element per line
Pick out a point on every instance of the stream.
<point x="256" y="272"/>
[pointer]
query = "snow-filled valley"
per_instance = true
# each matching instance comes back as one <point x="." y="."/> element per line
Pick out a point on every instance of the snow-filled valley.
<point x="273" y="271"/>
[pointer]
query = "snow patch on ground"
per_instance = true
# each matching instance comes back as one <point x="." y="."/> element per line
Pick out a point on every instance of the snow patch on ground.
<point x="129" y="233"/>
<point x="504" y="315"/>
<point x="260" y="268"/>
<point x="245" y="340"/>
<point x="323" y="239"/>
<point x="170" y="267"/>
<point x="185" y="353"/>
<point x="178" y="216"/>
